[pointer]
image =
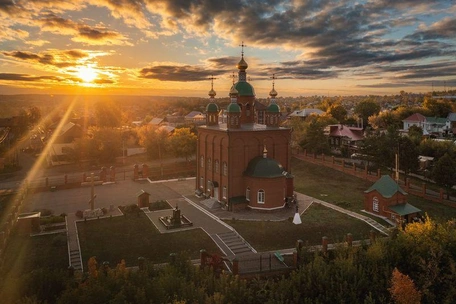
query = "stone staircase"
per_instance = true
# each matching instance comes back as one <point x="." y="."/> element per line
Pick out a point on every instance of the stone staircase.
<point x="235" y="243"/>
<point x="75" y="260"/>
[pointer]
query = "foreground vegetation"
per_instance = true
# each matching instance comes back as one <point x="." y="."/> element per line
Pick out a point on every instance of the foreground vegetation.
<point x="417" y="265"/>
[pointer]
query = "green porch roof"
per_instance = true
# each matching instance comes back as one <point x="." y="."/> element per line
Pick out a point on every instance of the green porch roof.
<point x="386" y="186"/>
<point x="404" y="209"/>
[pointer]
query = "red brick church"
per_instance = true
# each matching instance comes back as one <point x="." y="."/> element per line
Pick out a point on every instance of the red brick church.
<point x="243" y="164"/>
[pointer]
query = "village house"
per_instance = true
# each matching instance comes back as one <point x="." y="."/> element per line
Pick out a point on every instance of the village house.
<point x="385" y="198"/>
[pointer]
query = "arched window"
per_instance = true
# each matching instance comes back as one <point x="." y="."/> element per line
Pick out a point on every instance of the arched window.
<point x="247" y="194"/>
<point x="225" y="169"/>
<point x="202" y="161"/>
<point x="217" y="166"/>
<point x="261" y="196"/>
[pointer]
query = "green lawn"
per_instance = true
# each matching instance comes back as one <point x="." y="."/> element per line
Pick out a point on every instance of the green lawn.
<point x="25" y="254"/>
<point x="317" y="221"/>
<point x="132" y="236"/>
<point x="347" y="191"/>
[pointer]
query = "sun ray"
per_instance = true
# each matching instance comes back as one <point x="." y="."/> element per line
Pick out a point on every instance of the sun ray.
<point x="87" y="73"/>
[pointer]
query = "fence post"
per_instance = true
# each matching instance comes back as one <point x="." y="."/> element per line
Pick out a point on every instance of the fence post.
<point x="235" y="266"/>
<point x="324" y="244"/>
<point x="378" y="173"/>
<point x="372" y="236"/>
<point x="349" y="239"/>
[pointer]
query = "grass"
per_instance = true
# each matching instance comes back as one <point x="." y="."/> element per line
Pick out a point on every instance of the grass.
<point x="25" y="254"/>
<point x="347" y="191"/>
<point x="317" y="221"/>
<point x="132" y="236"/>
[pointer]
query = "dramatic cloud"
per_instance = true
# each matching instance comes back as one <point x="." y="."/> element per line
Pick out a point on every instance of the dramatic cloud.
<point x="82" y="32"/>
<point x="60" y="59"/>
<point x="179" y="73"/>
<point x="25" y="77"/>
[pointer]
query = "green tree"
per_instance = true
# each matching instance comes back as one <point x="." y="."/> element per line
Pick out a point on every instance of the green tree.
<point x="155" y="141"/>
<point x="367" y="108"/>
<point x="408" y="156"/>
<point x="444" y="172"/>
<point x="107" y="114"/>
<point x="415" y="133"/>
<point x="437" y="107"/>
<point x="182" y="143"/>
<point x="314" y="139"/>
<point x="338" y="112"/>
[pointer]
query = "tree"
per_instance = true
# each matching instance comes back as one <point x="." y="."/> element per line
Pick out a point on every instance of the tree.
<point x="338" y="112"/>
<point x="438" y="107"/>
<point x="33" y="115"/>
<point x="408" y="156"/>
<point x="403" y="290"/>
<point x="313" y="138"/>
<point x="415" y="133"/>
<point x="154" y="140"/>
<point x="182" y="143"/>
<point x="444" y="172"/>
<point x="367" y="108"/>
<point x="108" y="114"/>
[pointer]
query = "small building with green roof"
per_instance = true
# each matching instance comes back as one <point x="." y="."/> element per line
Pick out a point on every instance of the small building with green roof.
<point x="385" y="198"/>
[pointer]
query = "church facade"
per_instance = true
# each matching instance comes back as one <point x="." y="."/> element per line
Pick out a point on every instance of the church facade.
<point x="243" y="164"/>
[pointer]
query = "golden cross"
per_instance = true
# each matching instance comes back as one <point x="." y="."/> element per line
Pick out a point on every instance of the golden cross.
<point x="242" y="45"/>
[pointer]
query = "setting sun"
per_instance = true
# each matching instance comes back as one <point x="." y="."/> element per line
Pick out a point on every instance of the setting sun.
<point x="87" y="73"/>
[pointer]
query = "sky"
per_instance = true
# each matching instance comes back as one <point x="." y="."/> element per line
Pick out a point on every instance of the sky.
<point x="172" y="48"/>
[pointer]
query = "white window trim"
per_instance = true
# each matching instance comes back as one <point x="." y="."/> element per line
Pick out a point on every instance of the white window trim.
<point x="261" y="195"/>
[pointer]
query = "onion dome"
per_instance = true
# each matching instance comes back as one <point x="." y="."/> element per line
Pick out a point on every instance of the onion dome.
<point x="273" y="108"/>
<point x="242" y="65"/>
<point x="233" y="108"/>
<point x="233" y="91"/>
<point x="212" y="108"/>
<point x="273" y="92"/>
<point x="212" y="93"/>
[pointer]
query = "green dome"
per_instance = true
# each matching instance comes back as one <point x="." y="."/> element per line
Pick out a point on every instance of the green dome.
<point x="273" y="108"/>
<point x="244" y="89"/>
<point x="233" y="108"/>
<point x="212" y="108"/>
<point x="264" y="167"/>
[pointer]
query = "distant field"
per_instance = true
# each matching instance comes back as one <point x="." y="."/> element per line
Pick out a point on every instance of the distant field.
<point x="130" y="237"/>
<point x="317" y="221"/>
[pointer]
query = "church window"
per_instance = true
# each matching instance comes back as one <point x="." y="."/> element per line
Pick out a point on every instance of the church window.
<point x="261" y="196"/>
<point x="217" y="165"/>
<point x="224" y="192"/>
<point x="375" y="204"/>
<point x="209" y="163"/>
<point x="202" y="161"/>
<point x="247" y="194"/>
<point x="225" y="169"/>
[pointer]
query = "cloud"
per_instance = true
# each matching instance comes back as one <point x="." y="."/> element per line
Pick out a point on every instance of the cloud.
<point x="182" y="73"/>
<point x="57" y="58"/>
<point x="26" y="77"/>
<point x="82" y="32"/>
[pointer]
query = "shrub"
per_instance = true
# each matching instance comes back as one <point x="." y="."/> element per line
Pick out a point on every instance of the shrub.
<point x="79" y="214"/>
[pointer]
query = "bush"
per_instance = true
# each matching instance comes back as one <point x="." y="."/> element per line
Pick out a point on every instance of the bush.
<point x="79" y="214"/>
<point x="51" y="220"/>
<point x="133" y="208"/>
<point x="159" y="205"/>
